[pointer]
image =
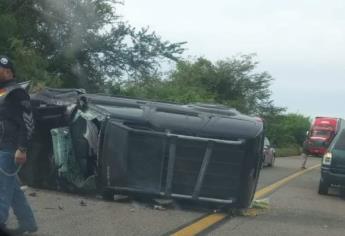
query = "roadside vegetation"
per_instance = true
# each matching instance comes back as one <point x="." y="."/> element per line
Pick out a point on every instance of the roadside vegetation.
<point x="85" y="44"/>
<point x="288" y="151"/>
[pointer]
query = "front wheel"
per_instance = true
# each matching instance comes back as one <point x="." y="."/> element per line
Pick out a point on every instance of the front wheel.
<point x="323" y="187"/>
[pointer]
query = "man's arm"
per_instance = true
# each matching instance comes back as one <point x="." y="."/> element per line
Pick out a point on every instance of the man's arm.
<point x="24" y="117"/>
<point x="27" y="123"/>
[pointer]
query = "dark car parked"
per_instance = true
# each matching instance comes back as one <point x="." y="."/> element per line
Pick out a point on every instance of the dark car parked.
<point x="333" y="163"/>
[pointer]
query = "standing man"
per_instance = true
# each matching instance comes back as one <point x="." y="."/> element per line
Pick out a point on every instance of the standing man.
<point x="304" y="154"/>
<point x="16" y="128"/>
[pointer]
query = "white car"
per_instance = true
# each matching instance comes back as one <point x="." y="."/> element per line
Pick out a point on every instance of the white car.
<point x="269" y="153"/>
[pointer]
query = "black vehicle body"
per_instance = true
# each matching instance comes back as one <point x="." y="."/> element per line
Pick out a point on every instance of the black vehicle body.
<point x="333" y="163"/>
<point x="199" y="152"/>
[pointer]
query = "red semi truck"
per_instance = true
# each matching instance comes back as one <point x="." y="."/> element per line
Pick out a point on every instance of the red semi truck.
<point x="321" y="133"/>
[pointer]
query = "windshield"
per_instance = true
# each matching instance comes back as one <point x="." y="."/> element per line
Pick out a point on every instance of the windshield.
<point x="321" y="133"/>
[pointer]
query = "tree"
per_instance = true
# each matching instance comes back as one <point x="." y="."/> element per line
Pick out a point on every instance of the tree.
<point x="233" y="82"/>
<point x="82" y="43"/>
<point x="287" y="129"/>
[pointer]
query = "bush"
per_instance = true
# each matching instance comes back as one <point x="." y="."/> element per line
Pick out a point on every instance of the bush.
<point x="293" y="150"/>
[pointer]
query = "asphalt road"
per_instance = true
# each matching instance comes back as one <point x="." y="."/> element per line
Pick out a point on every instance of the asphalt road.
<point x="294" y="209"/>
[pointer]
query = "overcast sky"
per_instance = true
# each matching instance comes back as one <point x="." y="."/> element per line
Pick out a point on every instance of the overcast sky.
<point x="300" y="43"/>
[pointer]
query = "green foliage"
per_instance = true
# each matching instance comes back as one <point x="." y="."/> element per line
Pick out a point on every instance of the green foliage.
<point x="288" y="151"/>
<point x="83" y="43"/>
<point x="32" y="65"/>
<point x="78" y="43"/>
<point x="233" y="82"/>
<point x="287" y="129"/>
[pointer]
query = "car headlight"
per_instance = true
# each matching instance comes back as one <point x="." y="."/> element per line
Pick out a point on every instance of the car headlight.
<point x="327" y="158"/>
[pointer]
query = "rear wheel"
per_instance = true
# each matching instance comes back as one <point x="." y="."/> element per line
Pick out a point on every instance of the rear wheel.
<point x="323" y="187"/>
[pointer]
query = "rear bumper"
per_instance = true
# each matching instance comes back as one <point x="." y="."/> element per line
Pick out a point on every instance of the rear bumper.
<point x="317" y="151"/>
<point x="332" y="178"/>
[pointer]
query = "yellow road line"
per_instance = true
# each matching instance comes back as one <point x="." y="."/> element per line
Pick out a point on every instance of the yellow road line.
<point x="212" y="219"/>
<point x="269" y="189"/>
<point x="200" y="225"/>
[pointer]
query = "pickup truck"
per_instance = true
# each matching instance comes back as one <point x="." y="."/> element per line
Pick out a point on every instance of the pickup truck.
<point x="91" y="142"/>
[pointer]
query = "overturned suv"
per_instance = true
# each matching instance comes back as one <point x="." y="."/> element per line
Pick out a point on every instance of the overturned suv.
<point x="90" y="142"/>
<point x="333" y="163"/>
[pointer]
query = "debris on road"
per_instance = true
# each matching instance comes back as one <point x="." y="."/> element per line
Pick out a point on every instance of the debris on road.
<point x="24" y="188"/>
<point x="82" y="203"/>
<point x="121" y="198"/>
<point x="261" y="203"/>
<point x="257" y="207"/>
<point x="159" y="207"/>
<point x="33" y="194"/>
<point x="164" y="202"/>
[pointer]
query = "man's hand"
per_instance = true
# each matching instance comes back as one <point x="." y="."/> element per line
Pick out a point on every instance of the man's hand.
<point x="20" y="157"/>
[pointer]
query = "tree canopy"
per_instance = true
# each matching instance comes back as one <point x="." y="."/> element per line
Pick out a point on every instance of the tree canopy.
<point x="77" y="43"/>
<point x="84" y="43"/>
<point x="233" y="82"/>
<point x="287" y="129"/>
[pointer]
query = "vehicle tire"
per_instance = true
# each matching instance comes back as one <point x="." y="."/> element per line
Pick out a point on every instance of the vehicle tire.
<point x="108" y="195"/>
<point x="323" y="187"/>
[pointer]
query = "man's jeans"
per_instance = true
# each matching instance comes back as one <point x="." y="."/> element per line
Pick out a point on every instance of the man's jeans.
<point x="12" y="196"/>
<point x="304" y="159"/>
